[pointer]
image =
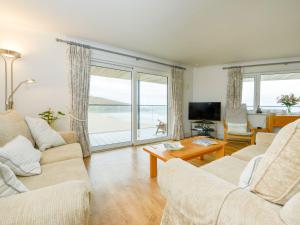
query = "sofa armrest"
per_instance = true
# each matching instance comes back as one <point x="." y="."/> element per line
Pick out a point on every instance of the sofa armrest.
<point x="194" y="192"/>
<point x="66" y="204"/>
<point x="69" y="136"/>
<point x="264" y="138"/>
<point x="199" y="197"/>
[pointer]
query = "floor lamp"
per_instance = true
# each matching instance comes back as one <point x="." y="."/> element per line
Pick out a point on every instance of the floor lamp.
<point x="10" y="102"/>
<point x="9" y="56"/>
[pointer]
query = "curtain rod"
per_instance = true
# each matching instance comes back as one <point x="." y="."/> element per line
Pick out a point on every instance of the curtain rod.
<point x="264" y="64"/>
<point x="118" y="53"/>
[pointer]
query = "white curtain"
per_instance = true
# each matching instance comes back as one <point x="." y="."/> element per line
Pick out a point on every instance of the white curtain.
<point x="177" y="103"/>
<point x="234" y="88"/>
<point x="79" y="72"/>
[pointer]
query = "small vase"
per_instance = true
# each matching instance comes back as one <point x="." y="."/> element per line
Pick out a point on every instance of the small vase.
<point x="258" y="110"/>
<point x="289" y="109"/>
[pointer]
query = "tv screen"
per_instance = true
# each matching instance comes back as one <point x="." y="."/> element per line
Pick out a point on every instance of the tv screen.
<point x="205" y="111"/>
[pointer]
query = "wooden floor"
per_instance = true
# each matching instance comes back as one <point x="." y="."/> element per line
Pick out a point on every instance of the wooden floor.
<point x="123" y="193"/>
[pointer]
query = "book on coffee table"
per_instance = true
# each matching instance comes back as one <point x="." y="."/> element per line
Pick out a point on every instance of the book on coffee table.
<point x="205" y="142"/>
<point x="173" y="146"/>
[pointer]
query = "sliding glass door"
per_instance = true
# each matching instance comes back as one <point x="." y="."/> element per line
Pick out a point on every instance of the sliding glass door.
<point x="152" y="106"/>
<point x="110" y="107"/>
<point x="126" y="107"/>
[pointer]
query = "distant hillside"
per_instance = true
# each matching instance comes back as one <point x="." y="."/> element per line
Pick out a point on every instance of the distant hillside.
<point x="104" y="101"/>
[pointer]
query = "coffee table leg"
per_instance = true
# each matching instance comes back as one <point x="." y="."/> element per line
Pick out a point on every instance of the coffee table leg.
<point x="220" y="153"/>
<point x="153" y="166"/>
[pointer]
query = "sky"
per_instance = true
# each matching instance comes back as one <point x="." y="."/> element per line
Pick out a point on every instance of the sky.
<point x="120" y="90"/>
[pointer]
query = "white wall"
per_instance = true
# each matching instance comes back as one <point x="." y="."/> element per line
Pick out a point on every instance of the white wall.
<point x="44" y="59"/>
<point x="210" y="84"/>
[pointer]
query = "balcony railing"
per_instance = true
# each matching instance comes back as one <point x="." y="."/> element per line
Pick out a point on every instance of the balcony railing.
<point x="148" y="116"/>
<point x="111" y="124"/>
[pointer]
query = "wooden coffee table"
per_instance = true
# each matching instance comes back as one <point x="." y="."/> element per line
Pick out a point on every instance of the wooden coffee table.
<point x="189" y="151"/>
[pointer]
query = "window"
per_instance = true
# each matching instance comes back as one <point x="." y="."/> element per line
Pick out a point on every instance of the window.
<point x="248" y="92"/>
<point x="264" y="89"/>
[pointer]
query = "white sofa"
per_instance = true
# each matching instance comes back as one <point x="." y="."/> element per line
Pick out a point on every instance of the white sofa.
<point x="59" y="195"/>
<point x="210" y="195"/>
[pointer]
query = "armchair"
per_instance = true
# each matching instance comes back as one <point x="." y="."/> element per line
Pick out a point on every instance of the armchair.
<point x="236" y="125"/>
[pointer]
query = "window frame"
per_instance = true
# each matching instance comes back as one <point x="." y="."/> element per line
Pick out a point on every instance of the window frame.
<point x="257" y="86"/>
<point x="256" y="99"/>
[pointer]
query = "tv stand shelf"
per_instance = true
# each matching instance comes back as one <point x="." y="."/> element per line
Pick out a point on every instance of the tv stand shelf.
<point x="203" y="128"/>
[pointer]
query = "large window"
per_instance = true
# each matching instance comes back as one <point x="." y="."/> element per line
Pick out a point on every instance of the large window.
<point x="264" y="89"/>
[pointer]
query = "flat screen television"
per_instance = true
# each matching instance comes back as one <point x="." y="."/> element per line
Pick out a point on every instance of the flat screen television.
<point x="205" y="111"/>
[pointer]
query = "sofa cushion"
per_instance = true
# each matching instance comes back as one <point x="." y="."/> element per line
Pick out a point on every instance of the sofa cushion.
<point x="13" y="124"/>
<point x="62" y="204"/>
<point x="21" y="157"/>
<point x="277" y="177"/>
<point x="227" y="168"/>
<point x="64" y="152"/>
<point x="9" y="183"/>
<point x="44" y="136"/>
<point x="249" y="152"/>
<point x="290" y="212"/>
<point x="55" y="173"/>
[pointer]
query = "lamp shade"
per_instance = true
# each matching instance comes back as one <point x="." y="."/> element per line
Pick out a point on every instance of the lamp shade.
<point x="9" y="53"/>
<point x="30" y="81"/>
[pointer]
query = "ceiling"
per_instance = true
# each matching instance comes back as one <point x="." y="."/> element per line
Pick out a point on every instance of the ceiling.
<point x="193" y="32"/>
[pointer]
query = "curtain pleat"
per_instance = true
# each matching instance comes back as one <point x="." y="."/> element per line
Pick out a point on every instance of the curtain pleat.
<point x="79" y="73"/>
<point x="234" y="88"/>
<point x="177" y="104"/>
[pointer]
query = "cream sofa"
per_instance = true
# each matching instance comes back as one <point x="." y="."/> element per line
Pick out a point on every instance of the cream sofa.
<point x="210" y="194"/>
<point x="59" y="195"/>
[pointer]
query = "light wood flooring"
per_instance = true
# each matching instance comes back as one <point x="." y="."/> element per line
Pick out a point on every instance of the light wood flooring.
<point x="123" y="193"/>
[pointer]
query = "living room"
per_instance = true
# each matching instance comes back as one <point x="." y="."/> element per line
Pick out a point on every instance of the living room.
<point x="101" y="110"/>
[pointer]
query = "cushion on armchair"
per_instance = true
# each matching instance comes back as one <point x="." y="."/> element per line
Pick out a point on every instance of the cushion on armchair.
<point x="277" y="177"/>
<point x="13" y="124"/>
<point x="237" y="128"/>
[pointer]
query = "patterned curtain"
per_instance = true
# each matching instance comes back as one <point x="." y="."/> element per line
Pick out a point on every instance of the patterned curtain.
<point x="79" y="72"/>
<point x="176" y="103"/>
<point x="234" y="88"/>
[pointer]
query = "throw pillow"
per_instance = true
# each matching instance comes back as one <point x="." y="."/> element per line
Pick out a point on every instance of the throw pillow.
<point x="9" y="183"/>
<point x="237" y="128"/>
<point x="11" y="125"/>
<point x="21" y="157"/>
<point x="44" y="136"/>
<point x="277" y="177"/>
<point x="247" y="174"/>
